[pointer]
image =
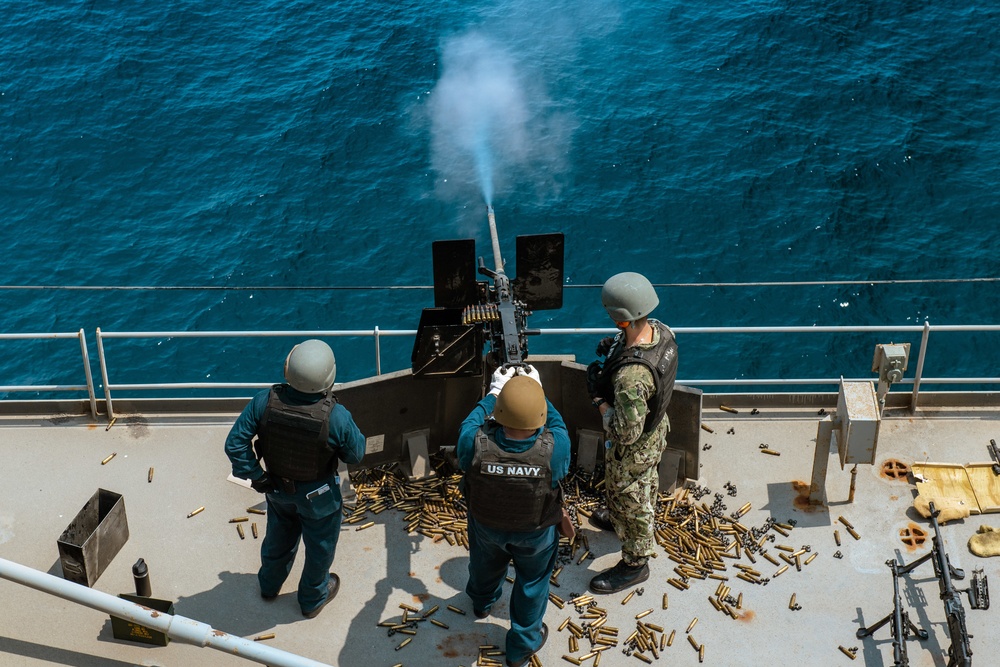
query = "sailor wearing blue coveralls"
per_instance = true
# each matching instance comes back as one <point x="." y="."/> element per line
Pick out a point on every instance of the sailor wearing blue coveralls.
<point x="301" y="431"/>
<point x="513" y="464"/>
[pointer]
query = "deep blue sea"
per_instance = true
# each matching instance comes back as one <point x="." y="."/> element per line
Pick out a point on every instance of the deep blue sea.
<point x="289" y="156"/>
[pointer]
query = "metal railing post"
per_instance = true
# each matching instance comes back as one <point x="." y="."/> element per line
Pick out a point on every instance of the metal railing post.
<point x="378" y="353"/>
<point x="104" y="376"/>
<point x="89" y="374"/>
<point x="920" y="365"/>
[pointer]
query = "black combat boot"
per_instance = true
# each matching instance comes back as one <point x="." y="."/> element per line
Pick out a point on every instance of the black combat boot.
<point x="618" y="578"/>
<point x="601" y="518"/>
<point x="524" y="661"/>
<point x="331" y="592"/>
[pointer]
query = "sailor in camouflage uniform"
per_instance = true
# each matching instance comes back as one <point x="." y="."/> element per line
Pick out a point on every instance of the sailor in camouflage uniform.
<point x="632" y="389"/>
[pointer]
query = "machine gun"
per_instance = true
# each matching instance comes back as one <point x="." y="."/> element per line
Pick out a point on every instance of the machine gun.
<point x="476" y="325"/>
<point x="960" y="651"/>
<point x="995" y="453"/>
<point x="901" y="625"/>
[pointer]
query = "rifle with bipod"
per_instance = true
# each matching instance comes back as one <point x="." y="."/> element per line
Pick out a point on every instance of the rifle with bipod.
<point x="960" y="650"/>
<point x="901" y="625"/>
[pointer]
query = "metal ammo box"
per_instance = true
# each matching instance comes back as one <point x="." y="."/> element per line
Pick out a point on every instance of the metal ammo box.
<point x="93" y="538"/>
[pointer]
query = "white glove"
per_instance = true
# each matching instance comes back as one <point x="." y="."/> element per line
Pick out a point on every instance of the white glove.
<point x="500" y="377"/>
<point x="531" y="372"/>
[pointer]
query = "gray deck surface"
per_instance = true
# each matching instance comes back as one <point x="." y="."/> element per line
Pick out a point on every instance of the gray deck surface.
<point x="52" y="467"/>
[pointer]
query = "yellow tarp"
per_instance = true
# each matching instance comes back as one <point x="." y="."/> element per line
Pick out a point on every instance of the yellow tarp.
<point x="956" y="490"/>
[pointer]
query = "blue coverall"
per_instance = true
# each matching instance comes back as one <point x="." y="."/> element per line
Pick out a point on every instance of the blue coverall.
<point x="291" y="515"/>
<point x="534" y="553"/>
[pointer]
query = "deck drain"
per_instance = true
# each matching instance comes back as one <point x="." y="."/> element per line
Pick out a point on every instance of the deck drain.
<point x="893" y="469"/>
<point x="912" y="536"/>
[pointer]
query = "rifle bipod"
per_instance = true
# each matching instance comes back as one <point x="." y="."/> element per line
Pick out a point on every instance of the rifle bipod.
<point x="960" y="650"/>
<point x="899" y="619"/>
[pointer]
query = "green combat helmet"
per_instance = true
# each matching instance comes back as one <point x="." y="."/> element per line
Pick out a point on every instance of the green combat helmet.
<point x="628" y="297"/>
<point x="311" y="367"/>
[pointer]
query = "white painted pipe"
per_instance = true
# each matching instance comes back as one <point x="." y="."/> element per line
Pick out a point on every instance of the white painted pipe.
<point x="176" y="627"/>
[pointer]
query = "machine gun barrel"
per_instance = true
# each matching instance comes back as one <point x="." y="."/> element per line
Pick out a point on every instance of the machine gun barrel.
<point x="497" y="258"/>
<point x="900" y="622"/>
<point x="960" y="651"/>
<point x="507" y="328"/>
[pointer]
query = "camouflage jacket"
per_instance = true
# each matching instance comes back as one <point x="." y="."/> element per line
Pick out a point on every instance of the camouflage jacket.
<point x="633" y="386"/>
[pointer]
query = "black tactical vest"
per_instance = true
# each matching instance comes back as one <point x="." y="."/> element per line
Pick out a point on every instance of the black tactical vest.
<point x="661" y="360"/>
<point x="293" y="439"/>
<point x="508" y="491"/>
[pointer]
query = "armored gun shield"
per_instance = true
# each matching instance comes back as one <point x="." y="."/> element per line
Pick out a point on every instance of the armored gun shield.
<point x="469" y="313"/>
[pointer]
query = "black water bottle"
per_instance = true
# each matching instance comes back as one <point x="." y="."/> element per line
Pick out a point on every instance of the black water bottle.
<point x="141" y="575"/>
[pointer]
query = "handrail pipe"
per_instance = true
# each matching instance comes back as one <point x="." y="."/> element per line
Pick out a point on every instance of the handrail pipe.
<point x="180" y="628"/>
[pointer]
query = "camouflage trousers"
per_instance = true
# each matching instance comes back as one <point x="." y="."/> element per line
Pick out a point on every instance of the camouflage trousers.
<point x="631" y="484"/>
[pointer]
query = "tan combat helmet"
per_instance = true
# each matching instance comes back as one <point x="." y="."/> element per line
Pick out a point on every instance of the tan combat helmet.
<point x="521" y="404"/>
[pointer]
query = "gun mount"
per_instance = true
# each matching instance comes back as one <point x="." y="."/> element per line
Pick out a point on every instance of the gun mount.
<point x="478" y="325"/>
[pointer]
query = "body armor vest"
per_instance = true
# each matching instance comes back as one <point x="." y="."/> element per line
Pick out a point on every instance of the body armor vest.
<point x="508" y="491"/>
<point x="661" y="360"/>
<point x="293" y="439"/>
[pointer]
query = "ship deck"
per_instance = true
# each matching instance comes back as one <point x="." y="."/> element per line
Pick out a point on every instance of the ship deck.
<point x="53" y="465"/>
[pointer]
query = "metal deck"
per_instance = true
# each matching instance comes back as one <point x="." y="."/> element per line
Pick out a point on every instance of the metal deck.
<point x="53" y="466"/>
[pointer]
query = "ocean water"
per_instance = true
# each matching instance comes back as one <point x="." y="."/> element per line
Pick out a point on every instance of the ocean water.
<point x="276" y="164"/>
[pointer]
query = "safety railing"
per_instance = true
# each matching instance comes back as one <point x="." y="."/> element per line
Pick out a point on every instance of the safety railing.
<point x="376" y="334"/>
<point x="34" y="388"/>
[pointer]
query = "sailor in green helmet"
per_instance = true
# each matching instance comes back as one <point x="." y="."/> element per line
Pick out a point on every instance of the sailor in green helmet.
<point x="631" y="388"/>
<point x="301" y="432"/>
